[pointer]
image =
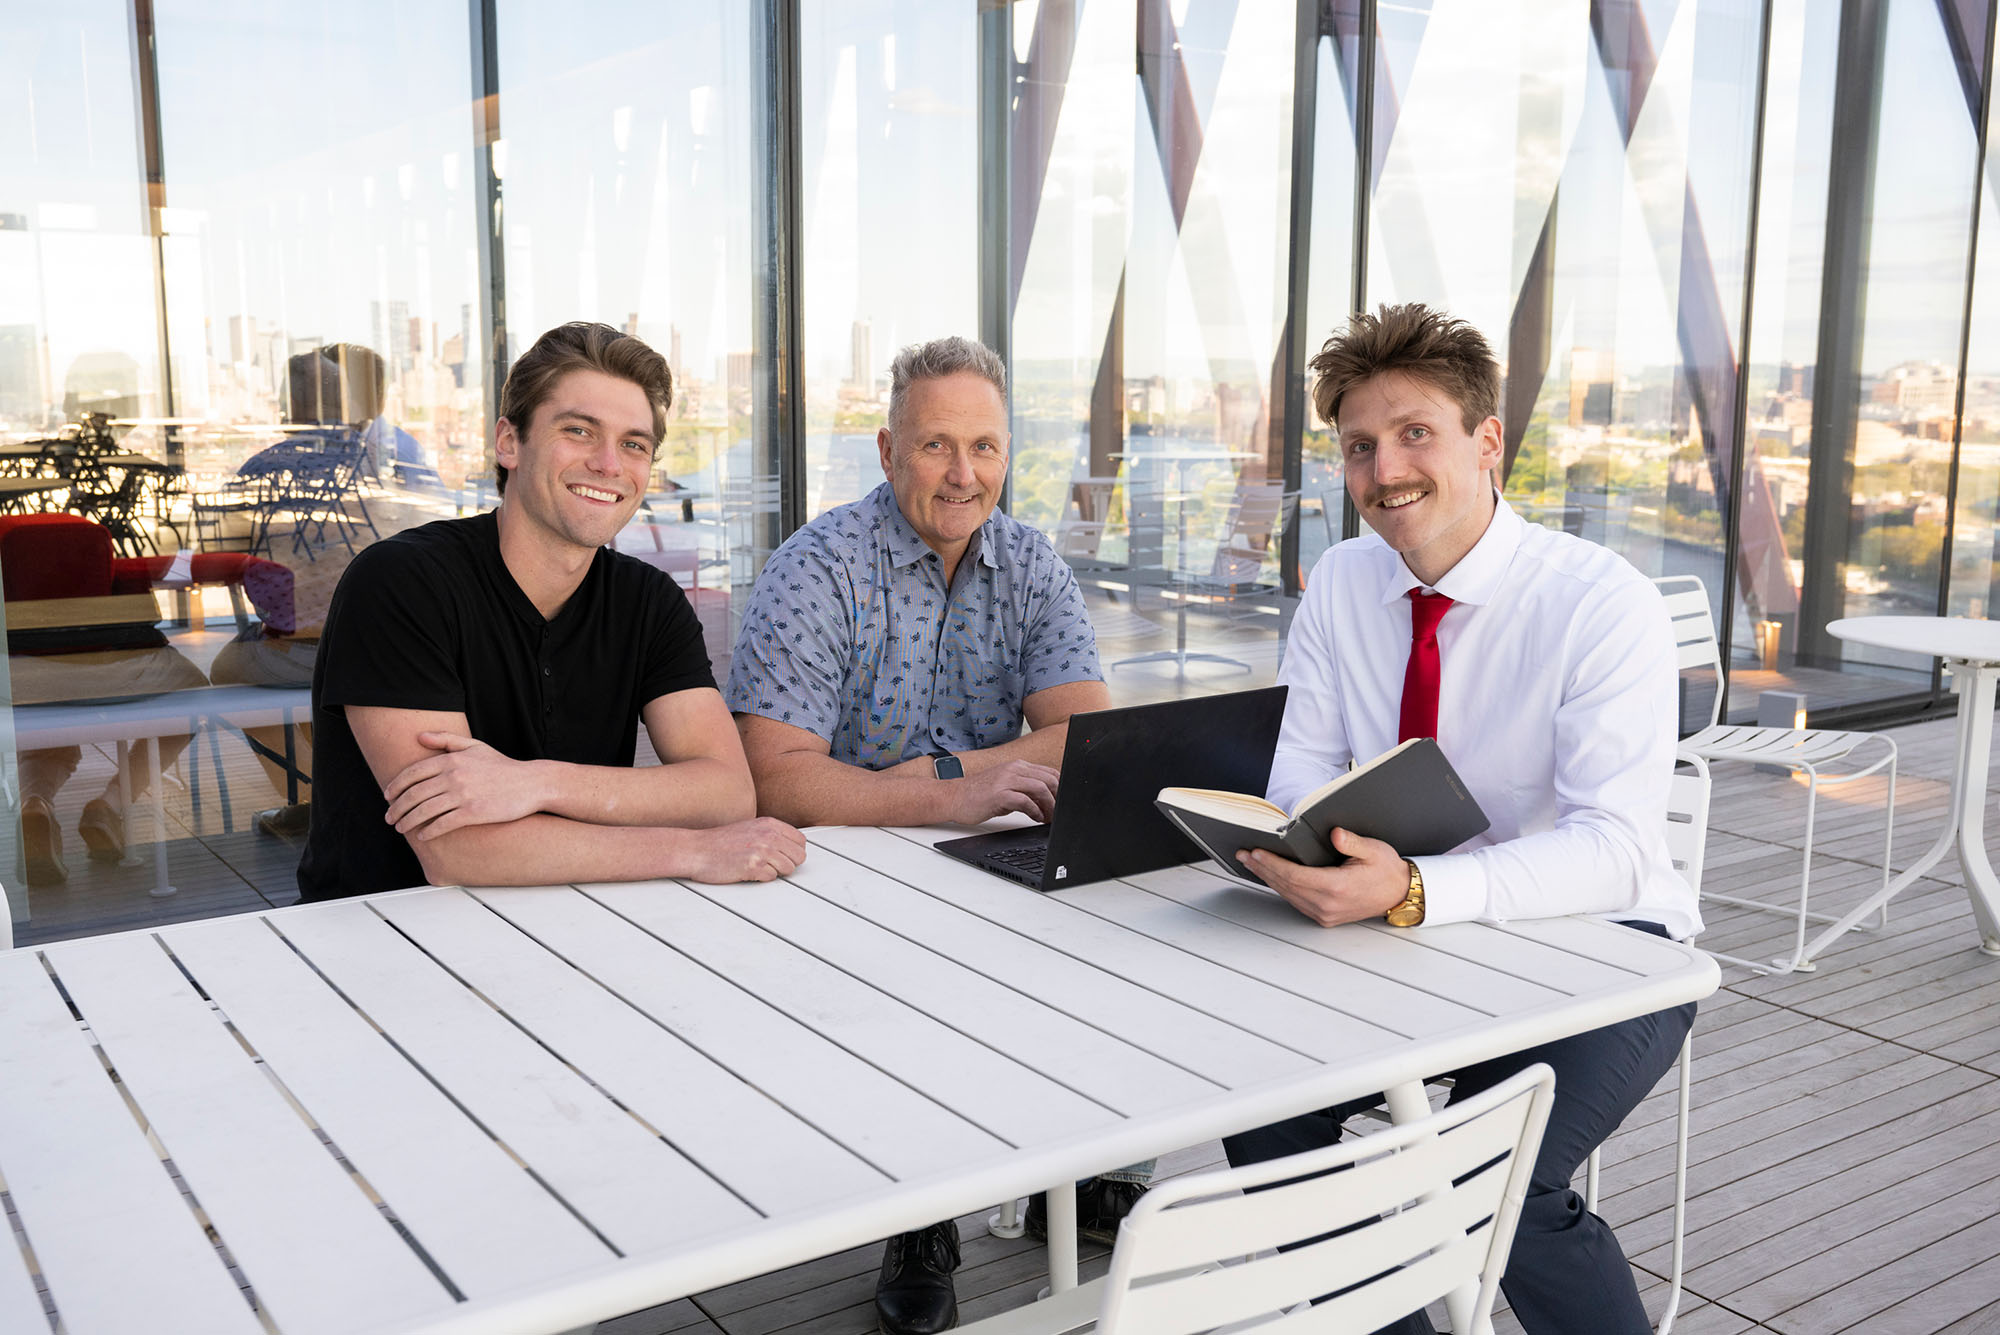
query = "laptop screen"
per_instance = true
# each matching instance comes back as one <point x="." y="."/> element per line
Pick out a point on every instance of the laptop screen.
<point x="1117" y="760"/>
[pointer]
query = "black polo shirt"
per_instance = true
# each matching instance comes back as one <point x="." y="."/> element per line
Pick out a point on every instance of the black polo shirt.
<point x="431" y="619"/>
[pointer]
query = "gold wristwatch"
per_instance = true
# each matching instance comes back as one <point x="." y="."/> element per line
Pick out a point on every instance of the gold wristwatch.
<point x="1411" y="911"/>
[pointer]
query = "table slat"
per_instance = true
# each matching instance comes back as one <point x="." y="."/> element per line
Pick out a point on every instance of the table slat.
<point x="1486" y="970"/>
<point x="1633" y="951"/>
<point x="487" y="1224"/>
<point x="20" y="1305"/>
<point x="883" y="1121"/>
<point x="1366" y="1002"/>
<point x="1160" y="1025"/>
<point x="625" y="1181"/>
<point x="735" y="1131"/>
<point x="88" y="1185"/>
<point x="962" y="992"/>
<point x="320" y="1256"/>
<point x="959" y="1073"/>
<point x="1227" y="994"/>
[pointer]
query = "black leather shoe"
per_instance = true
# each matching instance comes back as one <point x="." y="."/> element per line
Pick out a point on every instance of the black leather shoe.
<point x="914" y="1296"/>
<point x="1101" y="1205"/>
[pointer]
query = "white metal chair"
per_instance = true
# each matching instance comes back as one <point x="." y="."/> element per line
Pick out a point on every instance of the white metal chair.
<point x="1803" y="750"/>
<point x="1687" y="846"/>
<point x="1430" y="1205"/>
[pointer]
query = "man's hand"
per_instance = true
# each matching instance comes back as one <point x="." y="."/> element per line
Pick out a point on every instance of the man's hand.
<point x="750" y="850"/>
<point x="1372" y="881"/>
<point x="1017" y="785"/>
<point x="466" y="782"/>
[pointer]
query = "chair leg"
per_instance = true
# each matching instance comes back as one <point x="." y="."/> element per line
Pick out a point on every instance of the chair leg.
<point x="1007" y="1223"/>
<point x="1674" y="1288"/>
<point x="1680" y="1188"/>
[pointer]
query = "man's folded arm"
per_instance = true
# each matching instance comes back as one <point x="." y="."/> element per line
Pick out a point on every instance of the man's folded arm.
<point x="506" y="839"/>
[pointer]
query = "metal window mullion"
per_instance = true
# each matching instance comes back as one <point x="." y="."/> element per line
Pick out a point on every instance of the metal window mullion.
<point x="778" y="334"/>
<point x="995" y="73"/>
<point x="485" y="45"/>
<point x="1965" y="337"/>
<point x="1290" y="409"/>
<point x="1732" y="519"/>
<point x="1364" y="194"/>
<point x="152" y="156"/>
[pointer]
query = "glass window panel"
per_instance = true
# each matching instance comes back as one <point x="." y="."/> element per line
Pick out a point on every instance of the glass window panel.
<point x="891" y="160"/>
<point x="1864" y="522"/>
<point x="79" y="333"/>
<point x="1783" y="347"/>
<point x="1920" y="217"/>
<point x="79" y="324"/>
<point x="630" y="161"/>
<point x="1609" y="275"/>
<point x="1330" y="282"/>
<point x="1146" y="327"/>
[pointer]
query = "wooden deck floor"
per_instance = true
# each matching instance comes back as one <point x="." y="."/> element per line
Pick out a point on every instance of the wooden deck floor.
<point x="1846" y="1148"/>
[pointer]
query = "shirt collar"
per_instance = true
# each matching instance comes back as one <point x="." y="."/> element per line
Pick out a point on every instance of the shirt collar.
<point x="1476" y="577"/>
<point x="906" y="548"/>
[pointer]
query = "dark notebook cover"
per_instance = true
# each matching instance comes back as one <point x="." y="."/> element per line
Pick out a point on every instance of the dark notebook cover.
<point x="1411" y="799"/>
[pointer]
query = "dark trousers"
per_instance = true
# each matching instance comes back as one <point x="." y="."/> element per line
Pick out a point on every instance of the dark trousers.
<point x="1566" y="1274"/>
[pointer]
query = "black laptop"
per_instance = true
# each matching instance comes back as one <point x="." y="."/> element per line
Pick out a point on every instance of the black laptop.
<point x="1114" y="764"/>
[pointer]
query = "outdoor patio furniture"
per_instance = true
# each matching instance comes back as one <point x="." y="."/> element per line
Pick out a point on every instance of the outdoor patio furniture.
<point x="1258" y="516"/>
<point x="547" y="1115"/>
<point x="1806" y="751"/>
<point x="1427" y="1207"/>
<point x="1971" y="650"/>
<point x="1687" y="846"/>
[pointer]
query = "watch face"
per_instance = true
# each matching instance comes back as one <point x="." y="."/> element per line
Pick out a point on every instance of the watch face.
<point x="947" y="767"/>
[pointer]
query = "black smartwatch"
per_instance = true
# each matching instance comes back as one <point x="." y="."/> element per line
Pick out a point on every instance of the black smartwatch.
<point x="946" y="765"/>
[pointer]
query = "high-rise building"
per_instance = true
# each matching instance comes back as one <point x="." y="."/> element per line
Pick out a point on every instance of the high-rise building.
<point x="862" y="373"/>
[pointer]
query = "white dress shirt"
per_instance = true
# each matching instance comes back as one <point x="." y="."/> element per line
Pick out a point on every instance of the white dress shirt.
<point x="1558" y="705"/>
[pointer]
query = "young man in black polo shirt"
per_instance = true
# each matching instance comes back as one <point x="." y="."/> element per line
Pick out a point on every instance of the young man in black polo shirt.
<point x="480" y="681"/>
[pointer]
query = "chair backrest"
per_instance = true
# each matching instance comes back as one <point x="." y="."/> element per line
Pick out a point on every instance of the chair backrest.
<point x="1687" y="817"/>
<point x="1259" y="514"/>
<point x="1694" y="632"/>
<point x="1433" y="1204"/>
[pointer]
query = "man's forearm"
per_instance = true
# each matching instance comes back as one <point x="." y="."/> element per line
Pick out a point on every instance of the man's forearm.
<point x="553" y="850"/>
<point x="1043" y="746"/>
<point x="806" y="789"/>
<point x="693" y="793"/>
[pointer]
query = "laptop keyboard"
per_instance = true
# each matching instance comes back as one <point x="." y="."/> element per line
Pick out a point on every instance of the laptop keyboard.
<point x="1021" y="859"/>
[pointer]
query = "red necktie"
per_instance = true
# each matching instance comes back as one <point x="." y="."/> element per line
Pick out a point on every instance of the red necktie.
<point x="1421" y="676"/>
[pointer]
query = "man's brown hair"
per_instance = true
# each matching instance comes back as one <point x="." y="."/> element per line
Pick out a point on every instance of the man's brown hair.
<point x="1448" y="355"/>
<point x="583" y="345"/>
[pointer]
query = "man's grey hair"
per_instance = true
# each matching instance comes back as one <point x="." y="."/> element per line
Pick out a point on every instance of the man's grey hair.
<point x="937" y="359"/>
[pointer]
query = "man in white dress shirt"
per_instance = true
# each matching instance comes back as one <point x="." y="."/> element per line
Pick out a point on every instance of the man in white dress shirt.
<point x="1544" y="665"/>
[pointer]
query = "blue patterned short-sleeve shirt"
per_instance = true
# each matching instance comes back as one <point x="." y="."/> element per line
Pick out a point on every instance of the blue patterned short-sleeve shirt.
<point x="852" y="635"/>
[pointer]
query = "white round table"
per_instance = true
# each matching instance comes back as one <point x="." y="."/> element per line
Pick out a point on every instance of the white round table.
<point x="1971" y="649"/>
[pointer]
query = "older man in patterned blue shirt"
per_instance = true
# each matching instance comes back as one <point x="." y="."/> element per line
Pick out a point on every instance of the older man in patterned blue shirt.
<point x="893" y="647"/>
<point x="889" y="654"/>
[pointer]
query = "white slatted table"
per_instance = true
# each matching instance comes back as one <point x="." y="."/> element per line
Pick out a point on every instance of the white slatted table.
<point x="523" y="1110"/>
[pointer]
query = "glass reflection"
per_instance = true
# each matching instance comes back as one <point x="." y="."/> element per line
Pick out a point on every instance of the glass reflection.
<point x="891" y="161"/>
<point x="627" y="179"/>
<point x="1148" y="314"/>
